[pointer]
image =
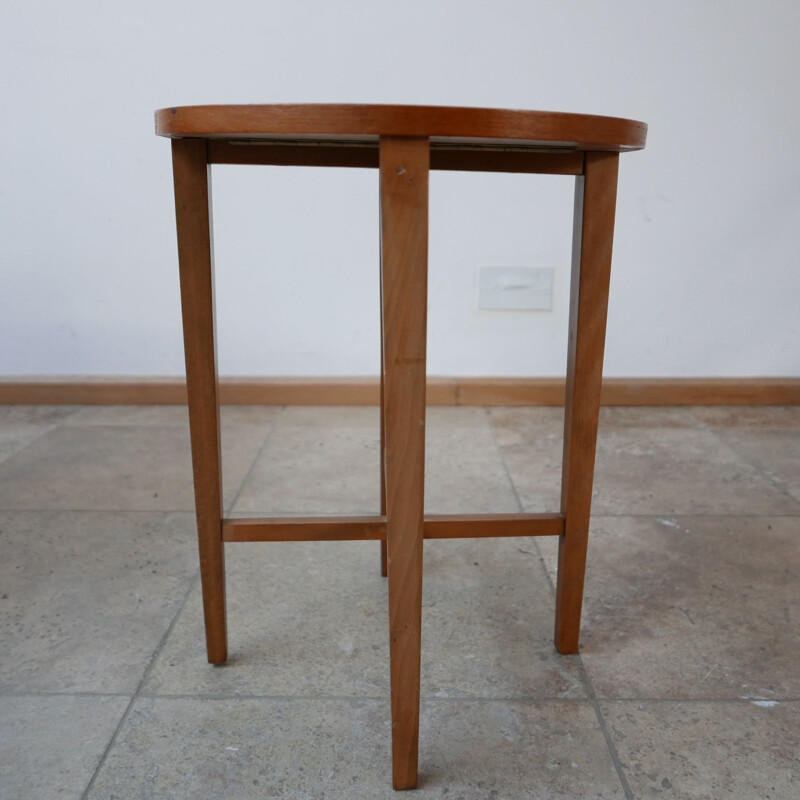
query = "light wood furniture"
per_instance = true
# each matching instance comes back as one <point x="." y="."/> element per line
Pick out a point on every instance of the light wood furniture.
<point x="404" y="143"/>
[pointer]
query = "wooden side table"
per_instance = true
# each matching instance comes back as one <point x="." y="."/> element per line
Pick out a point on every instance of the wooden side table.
<point x="404" y="143"/>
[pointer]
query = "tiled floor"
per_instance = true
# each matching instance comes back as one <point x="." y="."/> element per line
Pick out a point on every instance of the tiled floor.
<point x="688" y="682"/>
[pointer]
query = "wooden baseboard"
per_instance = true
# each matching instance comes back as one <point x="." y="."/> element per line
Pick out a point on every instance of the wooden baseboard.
<point x="365" y="391"/>
<point x="634" y="391"/>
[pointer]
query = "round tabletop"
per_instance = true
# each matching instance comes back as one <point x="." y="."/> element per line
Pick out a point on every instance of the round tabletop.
<point x="323" y="122"/>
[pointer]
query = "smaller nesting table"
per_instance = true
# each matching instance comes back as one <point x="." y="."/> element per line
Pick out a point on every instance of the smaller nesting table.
<point x="404" y="143"/>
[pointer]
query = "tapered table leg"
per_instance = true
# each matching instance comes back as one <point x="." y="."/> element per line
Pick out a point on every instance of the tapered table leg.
<point x="595" y="202"/>
<point x="195" y="254"/>
<point x="384" y="558"/>
<point x="404" y="165"/>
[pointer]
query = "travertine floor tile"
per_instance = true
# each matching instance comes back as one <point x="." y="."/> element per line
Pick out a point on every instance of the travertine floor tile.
<point x="531" y="442"/>
<point x="51" y="746"/>
<point x="87" y="597"/>
<point x="442" y="417"/>
<point x="647" y="463"/>
<point x="304" y="618"/>
<point x="305" y="469"/>
<point x="748" y="416"/>
<point x="331" y="417"/>
<point x="535" y="419"/>
<point x="119" y="467"/>
<point x="36" y="415"/>
<point x="690" y="623"/>
<point x="464" y="471"/>
<point x="20" y="425"/>
<point x="170" y="415"/>
<point x="515" y="750"/>
<point x="670" y="470"/>
<point x="524" y="418"/>
<point x="775" y="452"/>
<point x="131" y="415"/>
<point x="487" y="623"/>
<point x="312" y="619"/>
<point x="680" y="607"/>
<point x="327" y="460"/>
<point x="694" y="750"/>
<point x="252" y="748"/>
<point x="646" y="417"/>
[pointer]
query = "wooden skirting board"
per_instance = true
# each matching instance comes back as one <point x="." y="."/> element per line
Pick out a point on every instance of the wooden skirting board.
<point x="365" y="391"/>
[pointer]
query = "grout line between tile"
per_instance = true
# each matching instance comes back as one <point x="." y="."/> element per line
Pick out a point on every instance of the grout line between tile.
<point x="592" y="697"/>
<point x="503" y="460"/>
<point x="273" y="425"/>
<point x="28" y="442"/>
<point x="781" y="488"/>
<point x="145" y="676"/>
<point x="689" y="700"/>
<point x="424" y="698"/>
<point x="150" y="511"/>
<point x="361" y="698"/>
<point x="601" y="721"/>
<point x="536" y="551"/>
<point x="684" y="514"/>
<point x="254" y="696"/>
<point x="20" y="693"/>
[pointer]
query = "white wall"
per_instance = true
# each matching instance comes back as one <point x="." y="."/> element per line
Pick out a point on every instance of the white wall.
<point x="705" y="280"/>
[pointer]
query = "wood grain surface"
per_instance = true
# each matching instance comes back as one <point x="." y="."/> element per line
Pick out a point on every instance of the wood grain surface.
<point x="404" y="285"/>
<point x="440" y="123"/>
<point x="404" y="143"/>
<point x="342" y="528"/>
<point x="196" y="261"/>
<point x="595" y="203"/>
